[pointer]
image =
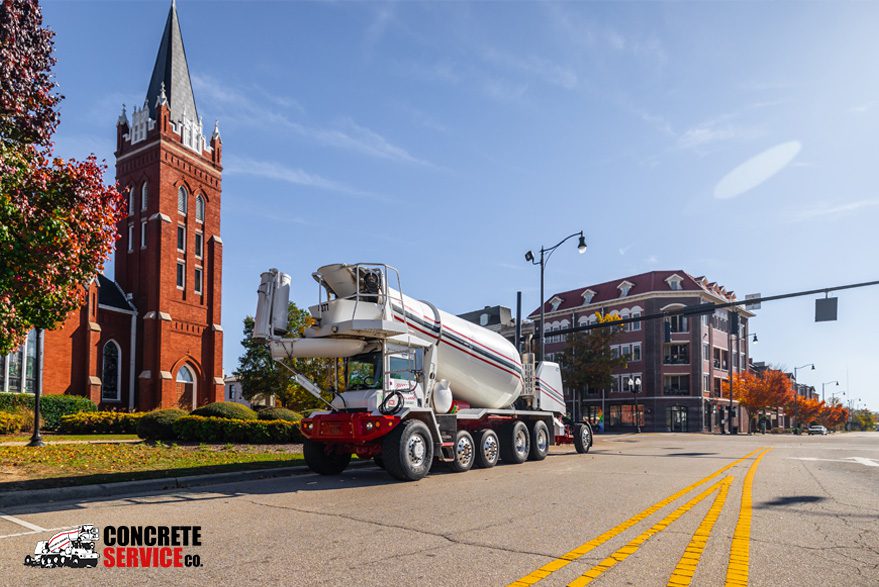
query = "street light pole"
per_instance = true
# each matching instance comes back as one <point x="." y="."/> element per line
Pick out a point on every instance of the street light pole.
<point x="545" y="254"/>
<point x="36" y="439"/>
<point x="827" y="383"/>
<point x="797" y="391"/>
<point x="635" y="384"/>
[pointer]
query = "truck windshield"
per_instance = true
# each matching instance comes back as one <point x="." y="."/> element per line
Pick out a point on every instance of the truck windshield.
<point x="365" y="371"/>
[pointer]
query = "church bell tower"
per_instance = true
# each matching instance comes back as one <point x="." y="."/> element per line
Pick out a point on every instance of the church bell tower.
<point x="170" y="255"/>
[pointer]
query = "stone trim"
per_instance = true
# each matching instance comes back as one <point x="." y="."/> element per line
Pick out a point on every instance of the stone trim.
<point x="165" y="374"/>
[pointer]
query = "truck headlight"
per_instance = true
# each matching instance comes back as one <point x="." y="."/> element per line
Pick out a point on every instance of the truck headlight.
<point x="369" y="426"/>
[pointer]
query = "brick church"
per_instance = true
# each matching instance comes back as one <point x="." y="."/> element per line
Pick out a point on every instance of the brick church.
<point x="151" y="338"/>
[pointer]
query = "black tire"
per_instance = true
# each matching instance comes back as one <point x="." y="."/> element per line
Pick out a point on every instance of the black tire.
<point x="28" y="561"/>
<point x="487" y="448"/>
<point x="379" y="461"/>
<point x="74" y="562"/>
<point x="515" y="443"/>
<point x="321" y="459"/>
<point x="465" y="452"/>
<point x="408" y="451"/>
<point x="539" y="441"/>
<point x="582" y="438"/>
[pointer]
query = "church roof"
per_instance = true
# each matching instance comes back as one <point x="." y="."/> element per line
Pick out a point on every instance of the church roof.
<point x="110" y="294"/>
<point x="172" y="70"/>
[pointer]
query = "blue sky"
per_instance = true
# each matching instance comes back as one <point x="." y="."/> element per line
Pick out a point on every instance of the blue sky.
<point x="734" y="140"/>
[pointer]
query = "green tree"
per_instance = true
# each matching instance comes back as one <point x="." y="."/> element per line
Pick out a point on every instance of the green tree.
<point x="863" y="419"/>
<point x="587" y="362"/>
<point x="260" y="375"/>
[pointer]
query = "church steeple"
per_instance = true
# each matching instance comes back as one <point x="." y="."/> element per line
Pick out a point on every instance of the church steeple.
<point x="172" y="70"/>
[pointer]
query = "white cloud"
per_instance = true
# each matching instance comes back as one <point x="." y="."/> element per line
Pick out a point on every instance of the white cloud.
<point x="240" y="106"/>
<point x="293" y="175"/>
<point x="756" y="170"/>
<point x="714" y="131"/>
<point x="827" y="210"/>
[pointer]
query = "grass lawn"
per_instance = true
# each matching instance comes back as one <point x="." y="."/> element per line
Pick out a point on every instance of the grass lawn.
<point x="60" y="465"/>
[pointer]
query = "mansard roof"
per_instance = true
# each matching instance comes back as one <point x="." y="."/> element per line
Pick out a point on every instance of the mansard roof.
<point x="172" y="70"/>
<point x="654" y="281"/>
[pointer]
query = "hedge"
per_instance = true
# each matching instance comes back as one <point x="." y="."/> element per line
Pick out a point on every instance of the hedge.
<point x="225" y="410"/>
<point x="279" y="414"/>
<point x="52" y="407"/>
<point x="220" y="430"/>
<point x="100" y="423"/>
<point x="159" y="424"/>
<point x="11" y="423"/>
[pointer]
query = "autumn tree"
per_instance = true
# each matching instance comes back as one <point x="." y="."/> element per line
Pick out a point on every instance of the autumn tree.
<point x="770" y="390"/>
<point x="260" y="375"/>
<point x="587" y="361"/>
<point x="57" y="218"/>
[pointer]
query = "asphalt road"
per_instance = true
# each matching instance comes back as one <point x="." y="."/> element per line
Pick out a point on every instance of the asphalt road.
<point x="638" y="510"/>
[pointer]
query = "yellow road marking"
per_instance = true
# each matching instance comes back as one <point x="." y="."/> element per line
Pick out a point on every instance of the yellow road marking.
<point x="567" y="558"/>
<point x="740" y="552"/>
<point x="682" y="576"/>
<point x="632" y="547"/>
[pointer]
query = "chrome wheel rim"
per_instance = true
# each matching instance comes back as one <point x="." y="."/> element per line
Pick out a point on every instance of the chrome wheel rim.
<point x="521" y="441"/>
<point x="542" y="441"/>
<point x="416" y="449"/>
<point x="464" y="451"/>
<point x="585" y="435"/>
<point x="490" y="448"/>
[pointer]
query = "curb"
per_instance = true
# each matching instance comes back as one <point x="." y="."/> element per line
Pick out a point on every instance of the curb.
<point x="61" y="494"/>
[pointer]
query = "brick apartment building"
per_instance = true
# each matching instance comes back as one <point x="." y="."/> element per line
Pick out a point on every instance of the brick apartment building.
<point x="682" y="379"/>
<point x="153" y="336"/>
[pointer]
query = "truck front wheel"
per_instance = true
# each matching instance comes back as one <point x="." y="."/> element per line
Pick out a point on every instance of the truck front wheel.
<point x="515" y="442"/>
<point x="582" y="438"/>
<point x="539" y="441"/>
<point x="408" y="451"/>
<point x="322" y="460"/>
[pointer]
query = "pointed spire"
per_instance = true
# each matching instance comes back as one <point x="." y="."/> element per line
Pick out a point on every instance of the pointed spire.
<point x="123" y="117"/>
<point x="216" y="134"/>
<point x="172" y="71"/>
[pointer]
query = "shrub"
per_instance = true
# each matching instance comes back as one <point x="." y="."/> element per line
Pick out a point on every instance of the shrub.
<point x="225" y="410"/>
<point x="52" y="407"/>
<point x="279" y="414"/>
<point x="11" y="423"/>
<point x="159" y="424"/>
<point x="100" y="423"/>
<point x="224" y="430"/>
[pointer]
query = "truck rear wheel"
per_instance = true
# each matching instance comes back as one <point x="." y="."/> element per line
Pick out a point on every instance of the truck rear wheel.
<point x="582" y="438"/>
<point x="539" y="441"/>
<point x="515" y="442"/>
<point x="322" y="460"/>
<point x="408" y="451"/>
<point x="465" y="452"/>
<point x="487" y="448"/>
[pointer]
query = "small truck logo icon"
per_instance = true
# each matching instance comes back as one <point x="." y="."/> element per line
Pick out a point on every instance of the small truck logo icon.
<point x="68" y="548"/>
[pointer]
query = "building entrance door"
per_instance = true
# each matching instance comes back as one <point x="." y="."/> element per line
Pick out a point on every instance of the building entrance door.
<point x="678" y="417"/>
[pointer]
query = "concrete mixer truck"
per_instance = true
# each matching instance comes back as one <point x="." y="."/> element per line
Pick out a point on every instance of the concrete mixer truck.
<point x="420" y="385"/>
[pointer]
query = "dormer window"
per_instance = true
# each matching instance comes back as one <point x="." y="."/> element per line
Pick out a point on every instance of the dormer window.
<point x="555" y="303"/>
<point x="587" y="296"/>
<point x="675" y="282"/>
<point x="625" y="287"/>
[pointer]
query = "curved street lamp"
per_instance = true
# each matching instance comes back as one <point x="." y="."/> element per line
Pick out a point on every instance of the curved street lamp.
<point x="797" y="391"/>
<point x="545" y="254"/>
<point x="827" y="383"/>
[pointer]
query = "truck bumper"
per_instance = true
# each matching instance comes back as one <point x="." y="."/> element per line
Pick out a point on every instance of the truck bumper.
<point x="347" y="428"/>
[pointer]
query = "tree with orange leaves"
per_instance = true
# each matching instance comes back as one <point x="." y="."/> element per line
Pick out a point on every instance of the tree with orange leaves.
<point x="771" y="390"/>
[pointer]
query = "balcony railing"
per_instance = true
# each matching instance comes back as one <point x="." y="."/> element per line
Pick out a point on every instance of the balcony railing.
<point x="676" y="390"/>
<point x="676" y="360"/>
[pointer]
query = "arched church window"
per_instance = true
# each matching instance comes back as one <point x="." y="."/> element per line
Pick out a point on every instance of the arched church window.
<point x="182" y="196"/>
<point x="199" y="208"/>
<point x="131" y="194"/>
<point x="144" y="195"/>
<point x="184" y="375"/>
<point x="111" y="375"/>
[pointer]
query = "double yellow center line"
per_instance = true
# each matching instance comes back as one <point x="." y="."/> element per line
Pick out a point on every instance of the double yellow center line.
<point x="586" y="547"/>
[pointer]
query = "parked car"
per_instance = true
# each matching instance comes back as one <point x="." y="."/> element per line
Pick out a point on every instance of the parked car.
<point x="817" y="429"/>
